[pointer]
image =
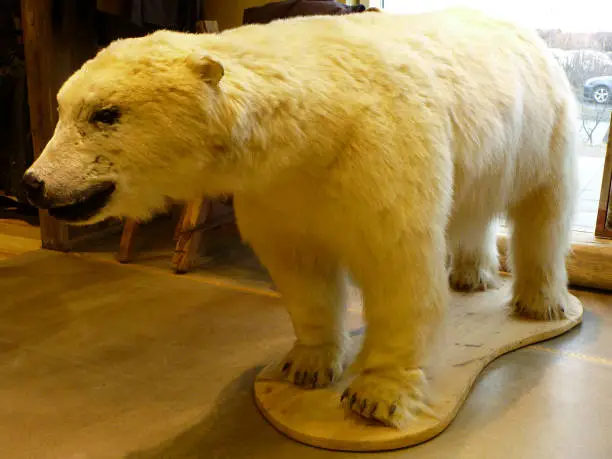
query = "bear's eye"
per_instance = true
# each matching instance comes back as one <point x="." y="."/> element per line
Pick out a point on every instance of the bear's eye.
<point x="106" y="115"/>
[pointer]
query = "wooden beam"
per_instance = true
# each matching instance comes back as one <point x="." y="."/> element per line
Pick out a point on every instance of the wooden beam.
<point x="58" y="37"/>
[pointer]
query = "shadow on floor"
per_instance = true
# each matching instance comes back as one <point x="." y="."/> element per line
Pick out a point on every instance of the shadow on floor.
<point x="234" y="429"/>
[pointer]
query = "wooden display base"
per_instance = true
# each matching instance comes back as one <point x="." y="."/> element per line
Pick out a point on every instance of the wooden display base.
<point x="478" y="329"/>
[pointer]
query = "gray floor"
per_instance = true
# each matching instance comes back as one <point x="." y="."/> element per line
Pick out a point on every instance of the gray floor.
<point x="99" y="360"/>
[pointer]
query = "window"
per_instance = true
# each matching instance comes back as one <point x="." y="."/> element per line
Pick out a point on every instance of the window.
<point x="580" y="37"/>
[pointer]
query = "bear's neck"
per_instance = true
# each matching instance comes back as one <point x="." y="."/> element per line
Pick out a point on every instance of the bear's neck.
<point x="278" y="114"/>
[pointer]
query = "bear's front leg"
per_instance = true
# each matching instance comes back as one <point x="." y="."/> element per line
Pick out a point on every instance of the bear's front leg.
<point x="314" y="292"/>
<point x="405" y="291"/>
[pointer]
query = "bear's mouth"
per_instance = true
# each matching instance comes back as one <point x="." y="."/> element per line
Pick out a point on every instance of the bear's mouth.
<point x="87" y="206"/>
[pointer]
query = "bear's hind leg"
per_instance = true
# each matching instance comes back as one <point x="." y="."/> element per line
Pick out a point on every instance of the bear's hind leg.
<point x="474" y="258"/>
<point x="541" y="230"/>
<point x="540" y="239"/>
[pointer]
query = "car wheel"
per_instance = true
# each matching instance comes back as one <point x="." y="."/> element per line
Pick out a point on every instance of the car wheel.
<point x="601" y="95"/>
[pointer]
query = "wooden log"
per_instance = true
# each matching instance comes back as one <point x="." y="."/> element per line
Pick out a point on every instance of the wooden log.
<point x="58" y="38"/>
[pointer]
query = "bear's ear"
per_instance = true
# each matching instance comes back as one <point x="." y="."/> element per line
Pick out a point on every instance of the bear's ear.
<point x="208" y="68"/>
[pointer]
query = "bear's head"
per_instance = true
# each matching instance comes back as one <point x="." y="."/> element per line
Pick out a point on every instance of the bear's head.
<point x="138" y="124"/>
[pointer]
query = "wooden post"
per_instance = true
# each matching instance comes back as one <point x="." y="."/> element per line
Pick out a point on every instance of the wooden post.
<point x="602" y="228"/>
<point x="58" y="37"/>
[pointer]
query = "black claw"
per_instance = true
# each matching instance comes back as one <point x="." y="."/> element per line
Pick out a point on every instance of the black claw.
<point x="353" y="400"/>
<point x="373" y="410"/>
<point x="330" y="374"/>
<point x="364" y="405"/>
<point x="315" y="378"/>
<point x="392" y="410"/>
<point x="296" y="377"/>
<point x="344" y="395"/>
<point x="286" y="366"/>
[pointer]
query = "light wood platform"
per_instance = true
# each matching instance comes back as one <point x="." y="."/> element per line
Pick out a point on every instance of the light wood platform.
<point x="478" y="329"/>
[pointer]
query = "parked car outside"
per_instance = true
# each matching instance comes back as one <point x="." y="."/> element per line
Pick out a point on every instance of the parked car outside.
<point x="598" y="89"/>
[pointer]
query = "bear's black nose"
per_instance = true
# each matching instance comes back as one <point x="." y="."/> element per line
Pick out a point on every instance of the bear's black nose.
<point x="34" y="189"/>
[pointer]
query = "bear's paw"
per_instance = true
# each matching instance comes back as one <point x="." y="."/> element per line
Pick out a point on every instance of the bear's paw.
<point x="314" y="367"/>
<point x="393" y="397"/>
<point x="473" y="279"/>
<point x="540" y="306"/>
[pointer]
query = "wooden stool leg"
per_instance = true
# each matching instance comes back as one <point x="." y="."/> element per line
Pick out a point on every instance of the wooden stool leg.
<point x="179" y="226"/>
<point x="126" y="246"/>
<point x="186" y="251"/>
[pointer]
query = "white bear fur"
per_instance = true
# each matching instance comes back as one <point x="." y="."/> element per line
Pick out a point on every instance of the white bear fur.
<point x="369" y="142"/>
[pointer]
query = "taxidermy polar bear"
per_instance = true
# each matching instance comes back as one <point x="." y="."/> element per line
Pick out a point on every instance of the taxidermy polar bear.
<point x="370" y="143"/>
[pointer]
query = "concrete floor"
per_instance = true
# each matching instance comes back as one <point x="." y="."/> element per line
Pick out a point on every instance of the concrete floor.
<point x="100" y="360"/>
